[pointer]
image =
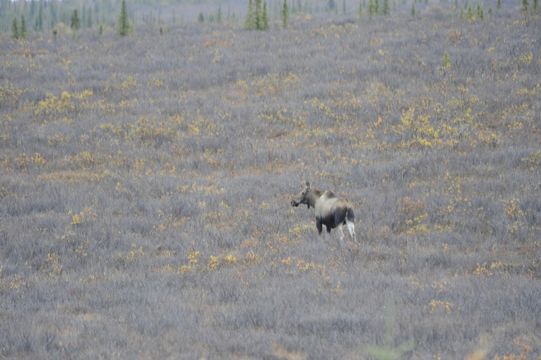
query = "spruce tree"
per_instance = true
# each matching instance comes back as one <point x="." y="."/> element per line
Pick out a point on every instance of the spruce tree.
<point x="22" y="31"/>
<point x="83" y="16"/>
<point x="264" y="17"/>
<point x="413" y="9"/>
<point x="14" y="29"/>
<point x="123" y="21"/>
<point x="470" y="14"/>
<point x="53" y="13"/>
<point x="219" y="14"/>
<point x="331" y="5"/>
<point x="250" y="23"/>
<point x="258" y="18"/>
<point x="480" y="13"/>
<point x="525" y="6"/>
<point x="97" y="10"/>
<point x="261" y="17"/>
<point x="386" y="10"/>
<point x="32" y="9"/>
<point x="39" y="20"/>
<point x="75" y="23"/>
<point x="499" y="4"/>
<point x="285" y="14"/>
<point x="446" y="62"/>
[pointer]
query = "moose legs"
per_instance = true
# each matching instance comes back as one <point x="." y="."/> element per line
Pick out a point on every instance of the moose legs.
<point x="319" y="225"/>
<point x="347" y="224"/>
<point x="351" y="230"/>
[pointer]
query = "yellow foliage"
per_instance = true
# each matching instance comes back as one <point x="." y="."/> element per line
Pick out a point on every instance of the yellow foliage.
<point x="268" y="85"/>
<point x="417" y="130"/>
<point x="252" y="258"/>
<point x="129" y="83"/>
<point x="69" y="176"/>
<point x="446" y="62"/>
<point x="167" y="268"/>
<point x="76" y="219"/>
<point x="49" y="105"/>
<point x="482" y="270"/>
<point x="286" y="261"/>
<point x="230" y="259"/>
<point x="526" y="58"/>
<point x="479" y="354"/>
<point x="436" y="305"/>
<point x="134" y="253"/>
<point x="534" y="91"/>
<point x="418" y="229"/>
<point x="194" y="129"/>
<point x="53" y="263"/>
<point x="15" y="283"/>
<point x="414" y="216"/>
<point x="299" y="229"/>
<point x="214" y="262"/>
<point x="139" y="166"/>
<point x="320" y="106"/>
<point x="9" y="94"/>
<point x="455" y="103"/>
<point x="513" y="210"/>
<point x="87" y="215"/>
<point x="304" y="266"/>
<point x="336" y="31"/>
<point x="212" y="189"/>
<point x="525" y="346"/>
<point x="56" y="139"/>
<point x="38" y="159"/>
<point x="147" y="131"/>
<point x="157" y="83"/>
<point x="489" y="269"/>
<point x="193" y="257"/>
<point x="184" y="269"/>
<point x="85" y="158"/>
<point x="532" y="160"/>
<point x="66" y="102"/>
<point x="166" y="253"/>
<point x="488" y="137"/>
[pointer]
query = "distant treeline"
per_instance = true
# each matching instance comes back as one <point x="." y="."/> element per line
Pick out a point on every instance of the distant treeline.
<point x="43" y="15"/>
<point x="47" y="15"/>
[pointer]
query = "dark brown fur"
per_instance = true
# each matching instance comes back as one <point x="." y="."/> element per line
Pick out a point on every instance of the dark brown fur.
<point x="330" y="210"/>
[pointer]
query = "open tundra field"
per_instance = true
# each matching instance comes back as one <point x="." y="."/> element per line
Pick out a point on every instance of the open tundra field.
<point x="146" y="186"/>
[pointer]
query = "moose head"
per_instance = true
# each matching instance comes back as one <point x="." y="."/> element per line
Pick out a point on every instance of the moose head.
<point x="304" y="197"/>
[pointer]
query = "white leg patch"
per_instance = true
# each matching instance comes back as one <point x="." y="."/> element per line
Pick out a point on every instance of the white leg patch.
<point x="341" y="232"/>
<point x="351" y="229"/>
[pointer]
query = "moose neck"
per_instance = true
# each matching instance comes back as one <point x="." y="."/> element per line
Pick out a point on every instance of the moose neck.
<point x="312" y="197"/>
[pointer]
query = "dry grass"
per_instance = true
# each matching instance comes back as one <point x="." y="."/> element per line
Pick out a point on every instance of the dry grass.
<point x="145" y="192"/>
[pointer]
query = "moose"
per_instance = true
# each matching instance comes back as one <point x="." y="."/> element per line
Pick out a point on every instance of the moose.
<point x="331" y="211"/>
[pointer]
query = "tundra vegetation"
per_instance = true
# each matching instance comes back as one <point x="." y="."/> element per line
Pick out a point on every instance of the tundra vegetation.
<point x="146" y="180"/>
